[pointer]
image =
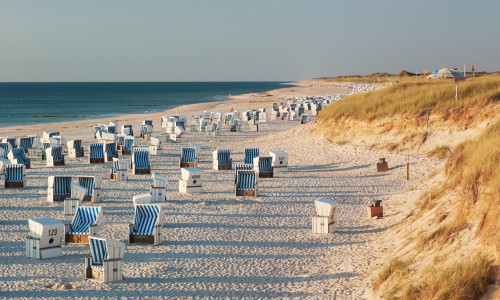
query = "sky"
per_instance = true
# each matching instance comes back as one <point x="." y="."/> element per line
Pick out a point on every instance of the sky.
<point x="215" y="40"/>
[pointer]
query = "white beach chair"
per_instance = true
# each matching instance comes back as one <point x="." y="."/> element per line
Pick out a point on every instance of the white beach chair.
<point x="93" y="187"/>
<point x="119" y="170"/>
<point x="263" y="166"/>
<point x="191" y="180"/>
<point x="324" y="220"/>
<point x="159" y="187"/>
<point x="54" y="156"/>
<point x="279" y="161"/>
<point x="58" y="188"/>
<point x="17" y="156"/>
<point x="45" y="238"/>
<point x="110" y="151"/>
<point x="188" y="158"/>
<point x="14" y="176"/>
<point x="105" y="262"/>
<point x="78" y="194"/>
<point x="75" y="149"/>
<point x="96" y="153"/>
<point x="142" y="199"/>
<point x="140" y="161"/>
<point x="155" y="145"/>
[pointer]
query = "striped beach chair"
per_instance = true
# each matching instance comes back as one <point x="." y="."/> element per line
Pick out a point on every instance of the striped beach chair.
<point x="304" y="119"/>
<point x="10" y="140"/>
<point x="147" y="122"/>
<point x="222" y="159"/>
<point x="146" y="131"/>
<point x="4" y="149"/>
<point x="105" y="262"/>
<point x="54" y="156"/>
<point x="147" y="224"/>
<point x="58" y="188"/>
<point x="263" y="166"/>
<point x="75" y="148"/>
<point x="140" y="161"/>
<point x="93" y="187"/>
<point x="14" y="176"/>
<point x="17" y="156"/>
<point x="250" y="154"/>
<point x="246" y="183"/>
<point x="96" y="153"/>
<point x="188" y="158"/>
<point x="110" y="152"/>
<point x="86" y="222"/>
<point x="159" y="187"/>
<point x="128" y="142"/>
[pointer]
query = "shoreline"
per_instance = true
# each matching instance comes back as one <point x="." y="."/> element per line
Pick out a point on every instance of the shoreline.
<point x="23" y="130"/>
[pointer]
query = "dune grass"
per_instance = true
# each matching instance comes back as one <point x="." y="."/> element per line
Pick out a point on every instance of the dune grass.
<point x="414" y="96"/>
<point x="440" y="152"/>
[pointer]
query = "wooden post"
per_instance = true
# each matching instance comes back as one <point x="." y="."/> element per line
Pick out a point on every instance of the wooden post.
<point x="407" y="171"/>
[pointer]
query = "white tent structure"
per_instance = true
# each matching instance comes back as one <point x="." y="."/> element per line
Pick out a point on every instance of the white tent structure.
<point x="447" y="73"/>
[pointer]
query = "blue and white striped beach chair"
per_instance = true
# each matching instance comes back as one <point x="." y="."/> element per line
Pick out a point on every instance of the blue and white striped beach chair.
<point x="58" y="188"/>
<point x="222" y="159"/>
<point x="54" y="156"/>
<point x="5" y="149"/>
<point x="246" y="183"/>
<point x="250" y="154"/>
<point x="75" y="148"/>
<point x="147" y="224"/>
<point x="140" y="161"/>
<point x="128" y="142"/>
<point x="110" y="152"/>
<point x="119" y="169"/>
<point x="105" y="262"/>
<point x="147" y="122"/>
<point x="304" y="119"/>
<point x="146" y="131"/>
<point x="188" y="158"/>
<point x="127" y="129"/>
<point x="96" y="153"/>
<point x="10" y="140"/>
<point x="263" y="166"/>
<point x="14" y="176"/>
<point x="17" y="156"/>
<point x="86" y="222"/>
<point x="93" y="187"/>
<point x="45" y="146"/>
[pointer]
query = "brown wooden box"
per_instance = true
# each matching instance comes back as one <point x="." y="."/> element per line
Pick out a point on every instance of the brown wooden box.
<point x="382" y="167"/>
<point x="142" y="171"/>
<point x="265" y="174"/>
<point x="76" y="238"/>
<point x="245" y="193"/>
<point x="142" y="239"/>
<point x="375" y="211"/>
<point x="96" y="160"/>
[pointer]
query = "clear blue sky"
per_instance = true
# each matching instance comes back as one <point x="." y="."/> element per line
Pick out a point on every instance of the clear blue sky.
<point x="234" y="40"/>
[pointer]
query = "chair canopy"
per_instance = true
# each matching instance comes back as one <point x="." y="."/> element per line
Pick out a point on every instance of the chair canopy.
<point x="188" y="155"/>
<point x="56" y="152"/>
<point x="26" y="142"/>
<point x="224" y="156"/>
<point x="265" y="164"/>
<point x="60" y="184"/>
<point x="96" y="150"/>
<point x="18" y="153"/>
<point x="6" y="148"/>
<point x="88" y="182"/>
<point x="250" y="154"/>
<point x="128" y="142"/>
<point x="146" y="217"/>
<point x="246" y="180"/>
<point x="111" y="149"/>
<point x="84" y="217"/>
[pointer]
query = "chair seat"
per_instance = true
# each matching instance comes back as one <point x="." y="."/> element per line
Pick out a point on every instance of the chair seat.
<point x="141" y="233"/>
<point x="77" y="232"/>
<point x="97" y="267"/>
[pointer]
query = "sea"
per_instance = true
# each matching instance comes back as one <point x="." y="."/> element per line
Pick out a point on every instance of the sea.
<point x="24" y="103"/>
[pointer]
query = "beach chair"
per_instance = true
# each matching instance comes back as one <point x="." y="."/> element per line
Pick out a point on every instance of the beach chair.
<point x="54" y="156"/>
<point x="202" y="123"/>
<point x="191" y="180"/>
<point x="155" y="147"/>
<point x="96" y="153"/>
<point x="110" y="152"/>
<point x="285" y="116"/>
<point x="146" y="131"/>
<point x="301" y="111"/>
<point x="17" y="156"/>
<point x="3" y="162"/>
<point x="304" y="119"/>
<point x="119" y="169"/>
<point x="45" y="146"/>
<point x="159" y="187"/>
<point x="58" y="188"/>
<point x="147" y="122"/>
<point x="324" y="220"/>
<point x="10" y="140"/>
<point x="5" y="149"/>
<point x="192" y="126"/>
<point x="235" y="125"/>
<point x="222" y="160"/>
<point x="128" y="143"/>
<point x="262" y="117"/>
<point x="197" y="151"/>
<point x="105" y="262"/>
<point x="106" y="136"/>
<point x="72" y="203"/>
<point x="263" y="166"/>
<point x="45" y="238"/>
<point x="14" y="176"/>
<point x="75" y="148"/>
<point x="279" y="161"/>
<point x="246" y="183"/>
<point x="86" y="222"/>
<point x="127" y="130"/>
<point x="93" y="187"/>
<point x="188" y="158"/>
<point x="140" y="161"/>
<point x="146" y="225"/>
<point x="250" y="154"/>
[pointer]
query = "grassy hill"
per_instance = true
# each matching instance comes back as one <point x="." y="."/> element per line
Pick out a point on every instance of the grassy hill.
<point x="449" y="246"/>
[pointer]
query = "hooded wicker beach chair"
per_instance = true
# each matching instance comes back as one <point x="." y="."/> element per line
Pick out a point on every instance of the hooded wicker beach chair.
<point x="96" y="153"/>
<point x="58" y="188"/>
<point x="93" y="187"/>
<point x="147" y="224"/>
<point x="188" y="158"/>
<point x="110" y="152"/>
<point x="246" y="183"/>
<point x="54" y="156"/>
<point x="17" y="156"/>
<point x="263" y="166"/>
<point x="75" y="148"/>
<point x="86" y="222"/>
<point x="222" y="159"/>
<point x="105" y="262"/>
<point x="119" y="169"/>
<point x="250" y="154"/>
<point x="140" y="161"/>
<point x="14" y="176"/>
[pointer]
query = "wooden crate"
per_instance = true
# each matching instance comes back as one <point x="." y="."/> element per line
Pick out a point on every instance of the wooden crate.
<point x="141" y="239"/>
<point x="33" y="250"/>
<point x="382" y="167"/>
<point x="76" y="238"/>
<point x="320" y="225"/>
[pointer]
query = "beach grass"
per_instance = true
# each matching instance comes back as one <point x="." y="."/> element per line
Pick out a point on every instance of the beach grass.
<point x="414" y="96"/>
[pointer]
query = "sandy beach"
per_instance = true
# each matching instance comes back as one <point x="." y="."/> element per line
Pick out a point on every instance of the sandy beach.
<point x="216" y="245"/>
